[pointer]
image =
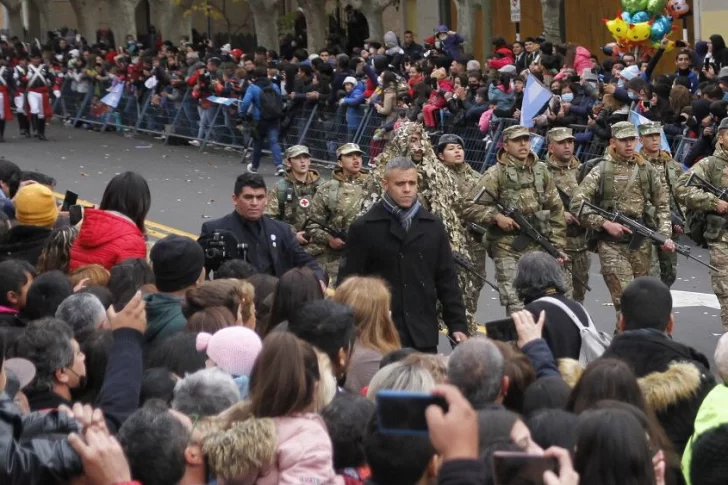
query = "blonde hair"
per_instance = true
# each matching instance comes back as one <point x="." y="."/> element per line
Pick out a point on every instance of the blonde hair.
<point x="401" y="376"/>
<point x="230" y="293"/>
<point x="370" y="299"/>
<point x="435" y="364"/>
<point x="96" y="274"/>
<point x="327" y="382"/>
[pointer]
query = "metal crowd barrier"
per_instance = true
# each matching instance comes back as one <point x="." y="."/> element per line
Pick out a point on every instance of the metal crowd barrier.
<point x="175" y="117"/>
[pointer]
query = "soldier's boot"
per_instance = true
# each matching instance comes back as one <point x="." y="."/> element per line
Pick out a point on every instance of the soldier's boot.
<point x="2" y="131"/>
<point x="23" y="125"/>
<point x="40" y="129"/>
<point x="34" y="124"/>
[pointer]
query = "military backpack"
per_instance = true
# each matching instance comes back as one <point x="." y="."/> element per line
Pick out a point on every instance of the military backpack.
<point x="287" y="194"/>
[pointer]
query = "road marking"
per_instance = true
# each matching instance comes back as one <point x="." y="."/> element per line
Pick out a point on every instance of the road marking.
<point x="683" y="299"/>
<point x="157" y="229"/>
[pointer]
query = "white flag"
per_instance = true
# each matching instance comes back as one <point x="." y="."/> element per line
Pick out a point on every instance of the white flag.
<point x="112" y="99"/>
<point x="535" y="96"/>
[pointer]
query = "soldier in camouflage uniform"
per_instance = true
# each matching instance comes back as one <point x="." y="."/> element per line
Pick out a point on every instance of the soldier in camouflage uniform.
<point x="624" y="181"/>
<point x="289" y="200"/>
<point x="450" y="151"/>
<point x="664" y="265"/>
<point x="564" y="166"/>
<point x="713" y="169"/>
<point x="436" y="186"/>
<point x="349" y="194"/>
<point x="521" y="181"/>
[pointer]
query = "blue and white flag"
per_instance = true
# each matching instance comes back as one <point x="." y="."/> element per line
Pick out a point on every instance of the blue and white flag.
<point x="219" y="100"/>
<point x="112" y="99"/>
<point x="637" y="119"/>
<point x="535" y="96"/>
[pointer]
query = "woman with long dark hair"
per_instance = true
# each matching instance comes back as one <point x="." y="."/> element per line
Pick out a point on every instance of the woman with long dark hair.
<point x="115" y="231"/>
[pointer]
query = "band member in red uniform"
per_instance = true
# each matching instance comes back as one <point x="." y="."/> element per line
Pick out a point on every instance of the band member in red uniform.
<point x="40" y="79"/>
<point x="6" y="86"/>
<point x="20" y="79"/>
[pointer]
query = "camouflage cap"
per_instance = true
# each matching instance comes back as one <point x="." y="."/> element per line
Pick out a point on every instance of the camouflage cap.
<point x="515" y="131"/>
<point x="561" y="134"/>
<point x="296" y="150"/>
<point x="347" y="149"/>
<point x="651" y="128"/>
<point x="449" y="139"/>
<point x="723" y="124"/>
<point x="624" y="129"/>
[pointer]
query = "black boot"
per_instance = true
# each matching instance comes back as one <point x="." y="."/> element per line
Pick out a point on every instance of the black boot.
<point x="34" y="124"/>
<point x="23" y="125"/>
<point x="40" y="129"/>
<point x="2" y="131"/>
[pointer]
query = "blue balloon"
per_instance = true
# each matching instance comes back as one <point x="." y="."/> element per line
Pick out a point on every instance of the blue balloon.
<point x="627" y="17"/>
<point x="640" y="17"/>
<point x="660" y="28"/>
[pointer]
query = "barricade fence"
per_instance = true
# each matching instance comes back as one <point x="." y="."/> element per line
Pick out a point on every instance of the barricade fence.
<point x="174" y="116"/>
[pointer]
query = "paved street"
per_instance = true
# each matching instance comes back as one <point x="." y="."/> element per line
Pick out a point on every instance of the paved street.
<point x="189" y="187"/>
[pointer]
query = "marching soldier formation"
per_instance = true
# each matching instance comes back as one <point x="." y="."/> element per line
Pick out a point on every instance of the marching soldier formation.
<point x="30" y="84"/>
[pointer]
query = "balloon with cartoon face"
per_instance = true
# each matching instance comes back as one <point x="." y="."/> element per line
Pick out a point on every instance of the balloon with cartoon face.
<point x="617" y="27"/>
<point x="639" y="32"/>
<point x="677" y="8"/>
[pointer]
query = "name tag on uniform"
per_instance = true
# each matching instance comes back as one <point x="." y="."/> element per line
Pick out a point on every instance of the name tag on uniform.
<point x="621" y="178"/>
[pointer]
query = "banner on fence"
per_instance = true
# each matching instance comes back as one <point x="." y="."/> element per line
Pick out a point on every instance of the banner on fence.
<point x="112" y="99"/>
<point x="535" y="96"/>
<point x="637" y="119"/>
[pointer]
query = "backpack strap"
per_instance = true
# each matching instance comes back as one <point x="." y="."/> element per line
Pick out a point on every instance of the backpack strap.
<point x="539" y="180"/>
<point x="569" y="312"/>
<point x="333" y="195"/>
<point x="606" y="185"/>
<point x="284" y="190"/>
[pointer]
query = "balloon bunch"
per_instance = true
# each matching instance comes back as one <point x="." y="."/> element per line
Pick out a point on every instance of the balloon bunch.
<point x="644" y="23"/>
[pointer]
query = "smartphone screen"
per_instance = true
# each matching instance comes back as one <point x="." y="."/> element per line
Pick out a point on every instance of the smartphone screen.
<point x="514" y="468"/>
<point x="70" y="199"/>
<point x="403" y="412"/>
<point x="75" y="214"/>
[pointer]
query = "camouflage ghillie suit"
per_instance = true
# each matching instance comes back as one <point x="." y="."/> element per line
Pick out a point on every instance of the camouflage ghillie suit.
<point x="713" y="169"/>
<point x="439" y="192"/>
<point x="664" y="265"/>
<point x="290" y="201"/>
<point x="529" y="187"/>
<point x="632" y="187"/>
<point x="565" y="176"/>
<point x="337" y="203"/>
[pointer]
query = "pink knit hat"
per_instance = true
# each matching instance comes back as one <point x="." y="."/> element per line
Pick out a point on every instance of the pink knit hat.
<point x="232" y="349"/>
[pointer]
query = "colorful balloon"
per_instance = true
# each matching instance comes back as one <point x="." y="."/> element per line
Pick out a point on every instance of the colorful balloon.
<point x="617" y="27"/>
<point x="639" y="17"/>
<point x="627" y="17"/>
<point x="660" y="28"/>
<point x="677" y="8"/>
<point x="638" y="32"/>
<point x="655" y="7"/>
<point x="633" y="6"/>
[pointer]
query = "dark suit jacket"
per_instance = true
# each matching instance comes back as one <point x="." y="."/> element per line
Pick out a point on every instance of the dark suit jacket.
<point x="418" y="266"/>
<point x="286" y="254"/>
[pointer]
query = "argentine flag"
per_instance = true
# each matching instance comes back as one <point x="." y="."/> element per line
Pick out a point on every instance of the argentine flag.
<point x="535" y="96"/>
<point x="637" y="119"/>
<point x="112" y="99"/>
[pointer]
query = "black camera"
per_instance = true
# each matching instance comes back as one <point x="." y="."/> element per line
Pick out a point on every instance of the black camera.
<point x="221" y="246"/>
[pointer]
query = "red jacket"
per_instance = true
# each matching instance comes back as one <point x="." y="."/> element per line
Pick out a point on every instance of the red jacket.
<point x="106" y="238"/>
<point x="507" y="58"/>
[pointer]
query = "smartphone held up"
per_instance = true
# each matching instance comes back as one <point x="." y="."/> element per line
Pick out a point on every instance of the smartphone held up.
<point x="403" y="412"/>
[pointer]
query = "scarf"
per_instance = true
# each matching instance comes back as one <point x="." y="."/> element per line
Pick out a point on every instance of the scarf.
<point x="404" y="216"/>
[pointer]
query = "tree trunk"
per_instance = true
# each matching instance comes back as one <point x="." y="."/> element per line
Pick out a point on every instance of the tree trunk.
<point x="88" y="17"/>
<point x="551" y="12"/>
<point x="373" y="13"/>
<point x="43" y="8"/>
<point x="170" y="20"/>
<point x="265" y="16"/>
<point x="123" y="16"/>
<point x="316" y="23"/>
<point x="467" y="10"/>
<point x="15" y="18"/>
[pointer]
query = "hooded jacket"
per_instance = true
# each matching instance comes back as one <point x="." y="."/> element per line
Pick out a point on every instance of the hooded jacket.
<point x="252" y="96"/>
<point x="394" y="52"/>
<point x="106" y="238"/>
<point x="164" y="317"/>
<point x="24" y="243"/>
<point x="674" y="378"/>
<point x="273" y="451"/>
<point x="505" y="57"/>
<point x="713" y="413"/>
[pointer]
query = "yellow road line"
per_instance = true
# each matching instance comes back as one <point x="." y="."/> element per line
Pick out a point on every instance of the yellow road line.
<point x="153" y="228"/>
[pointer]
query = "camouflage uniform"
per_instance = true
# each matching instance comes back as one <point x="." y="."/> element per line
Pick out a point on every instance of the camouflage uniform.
<point x="636" y="186"/>
<point x="565" y="177"/>
<point x="529" y="187"/>
<point x="437" y="186"/>
<point x="289" y="200"/>
<point x="713" y="169"/>
<point x="337" y="203"/>
<point x="664" y="265"/>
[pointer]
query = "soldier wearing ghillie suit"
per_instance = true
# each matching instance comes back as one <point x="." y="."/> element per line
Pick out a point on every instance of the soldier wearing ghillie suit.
<point x="437" y="187"/>
<point x="623" y="181"/>
<point x="664" y="265"/>
<point x="564" y="166"/>
<point x="713" y="169"/>
<point x="338" y="202"/>
<point x="522" y="182"/>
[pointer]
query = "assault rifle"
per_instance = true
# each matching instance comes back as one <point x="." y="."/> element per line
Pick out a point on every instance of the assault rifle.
<point x="696" y="180"/>
<point x="463" y="261"/>
<point x="337" y="233"/>
<point x="640" y="233"/>
<point x="526" y="231"/>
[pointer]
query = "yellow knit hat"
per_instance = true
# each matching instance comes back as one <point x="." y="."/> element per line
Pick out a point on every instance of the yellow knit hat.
<point x="35" y="205"/>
